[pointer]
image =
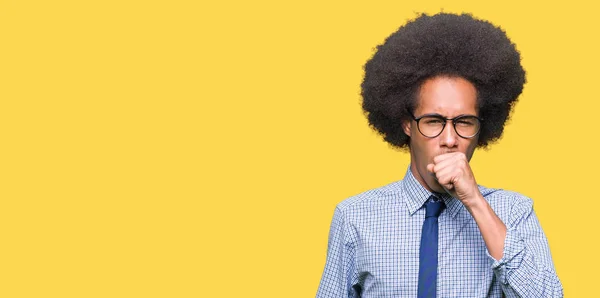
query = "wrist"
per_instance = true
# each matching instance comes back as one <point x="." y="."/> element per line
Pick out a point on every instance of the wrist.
<point x="476" y="204"/>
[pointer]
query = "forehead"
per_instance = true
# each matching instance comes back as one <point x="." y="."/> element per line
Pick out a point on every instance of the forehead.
<point x="447" y="96"/>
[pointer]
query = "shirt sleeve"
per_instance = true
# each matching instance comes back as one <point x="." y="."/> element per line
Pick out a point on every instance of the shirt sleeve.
<point x="526" y="268"/>
<point x="337" y="275"/>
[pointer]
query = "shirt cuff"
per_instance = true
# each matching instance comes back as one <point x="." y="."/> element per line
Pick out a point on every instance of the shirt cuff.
<point x="511" y="256"/>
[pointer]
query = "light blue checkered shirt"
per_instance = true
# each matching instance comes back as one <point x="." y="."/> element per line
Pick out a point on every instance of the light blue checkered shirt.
<point x="374" y="240"/>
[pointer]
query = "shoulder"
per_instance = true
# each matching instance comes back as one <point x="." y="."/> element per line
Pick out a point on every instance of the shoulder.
<point x="388" y="194"/>
<point x="507" y="203"/>
<point x="505" y="196"/>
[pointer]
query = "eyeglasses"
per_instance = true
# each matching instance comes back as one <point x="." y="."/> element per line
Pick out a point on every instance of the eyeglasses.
<point x="432" y="125"/>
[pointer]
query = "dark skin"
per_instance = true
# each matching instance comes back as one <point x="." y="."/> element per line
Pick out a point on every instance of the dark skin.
<point x="441" y="164"/>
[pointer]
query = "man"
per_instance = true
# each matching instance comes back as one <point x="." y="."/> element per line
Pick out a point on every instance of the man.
<point x="440" y="87"/>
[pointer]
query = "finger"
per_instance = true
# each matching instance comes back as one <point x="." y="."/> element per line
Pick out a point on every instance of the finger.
<point x="449" y="175"/>
<point x="439" y="158"/>
<point x="430" y="168"/>
<point x="448" y="188"/>
<point x="452" y="162"/>
<point x="442" y="157"/>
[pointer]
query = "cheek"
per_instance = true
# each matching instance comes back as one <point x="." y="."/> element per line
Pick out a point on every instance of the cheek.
<point x="470" y="148"/>
<point x="425" y="149"/>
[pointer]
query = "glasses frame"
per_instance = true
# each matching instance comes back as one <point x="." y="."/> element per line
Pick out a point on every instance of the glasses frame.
<point x="417" y="119"/>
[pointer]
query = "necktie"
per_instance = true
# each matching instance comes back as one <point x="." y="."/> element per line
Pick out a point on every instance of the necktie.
<point x="428" y="252"/>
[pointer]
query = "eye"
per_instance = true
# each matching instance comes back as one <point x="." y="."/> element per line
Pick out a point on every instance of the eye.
<point x="465" y="122"/>
<point x="433" y="121"/>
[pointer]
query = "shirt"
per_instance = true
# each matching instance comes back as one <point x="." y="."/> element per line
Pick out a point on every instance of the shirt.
<point x="373" y="247"/>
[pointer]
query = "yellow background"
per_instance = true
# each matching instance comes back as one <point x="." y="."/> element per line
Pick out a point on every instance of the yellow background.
<point x="189" y="149"/>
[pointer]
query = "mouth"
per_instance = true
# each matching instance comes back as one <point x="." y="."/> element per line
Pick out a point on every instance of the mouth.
<point x="446" y="152"/>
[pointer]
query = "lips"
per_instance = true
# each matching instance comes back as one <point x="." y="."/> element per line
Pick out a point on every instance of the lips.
<point x="446" y="152"/>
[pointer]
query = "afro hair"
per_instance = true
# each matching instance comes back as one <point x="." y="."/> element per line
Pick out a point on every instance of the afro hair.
<point x="441" y="45"/>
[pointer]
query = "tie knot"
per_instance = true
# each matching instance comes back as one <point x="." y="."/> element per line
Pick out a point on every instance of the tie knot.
<point x="434" y="208"/>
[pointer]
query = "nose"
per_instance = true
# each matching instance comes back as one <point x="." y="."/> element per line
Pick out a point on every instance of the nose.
<point x="449" y="137"/>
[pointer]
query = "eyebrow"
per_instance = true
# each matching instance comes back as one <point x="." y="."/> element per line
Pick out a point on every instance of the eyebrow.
<point x="442" y="116"/>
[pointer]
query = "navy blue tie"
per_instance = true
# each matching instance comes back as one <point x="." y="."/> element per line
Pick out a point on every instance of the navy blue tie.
<point x="428" y="253"/>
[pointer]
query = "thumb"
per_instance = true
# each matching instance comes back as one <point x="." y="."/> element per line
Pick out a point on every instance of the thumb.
<point x="430" y="167"/>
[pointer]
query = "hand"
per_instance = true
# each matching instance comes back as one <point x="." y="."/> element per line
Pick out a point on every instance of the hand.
<point x="453" y="173"/>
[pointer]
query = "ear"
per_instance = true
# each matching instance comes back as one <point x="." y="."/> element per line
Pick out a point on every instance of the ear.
<point x="406" y="126"/>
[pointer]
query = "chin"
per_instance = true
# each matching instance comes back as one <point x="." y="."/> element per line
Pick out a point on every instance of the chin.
<point x="436" y="187"/>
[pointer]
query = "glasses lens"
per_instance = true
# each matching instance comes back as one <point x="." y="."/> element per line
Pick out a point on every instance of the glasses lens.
<point x="467" y="126"/>
<point x="431" y="126"/>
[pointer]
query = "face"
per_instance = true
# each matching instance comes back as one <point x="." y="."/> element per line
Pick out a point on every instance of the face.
<point x="449" y="97"/>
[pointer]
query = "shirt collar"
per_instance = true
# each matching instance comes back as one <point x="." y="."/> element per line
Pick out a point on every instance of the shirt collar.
<point x="417" y="195"/>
